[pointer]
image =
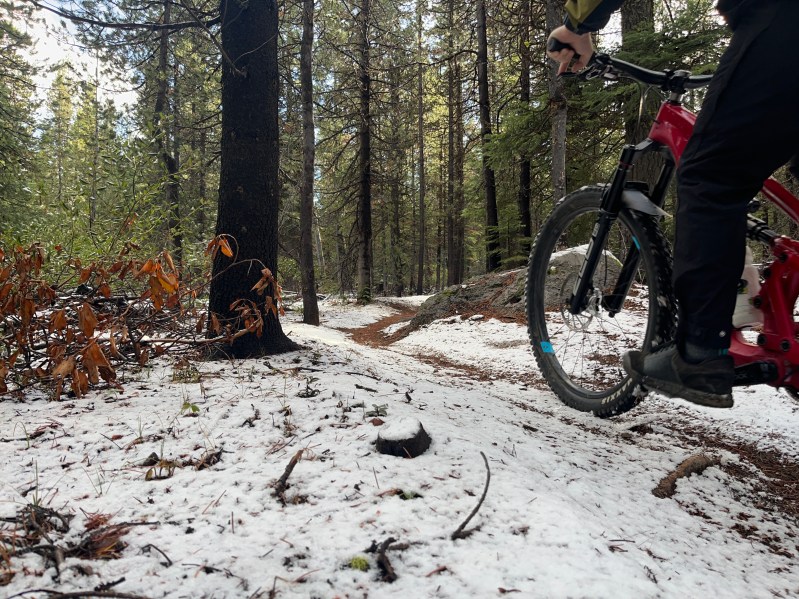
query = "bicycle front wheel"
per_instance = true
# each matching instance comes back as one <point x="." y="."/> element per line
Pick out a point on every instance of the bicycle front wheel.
<point x="580" y="354"/>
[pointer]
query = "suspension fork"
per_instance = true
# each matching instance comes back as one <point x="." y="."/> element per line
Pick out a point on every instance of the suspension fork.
<point x="611" y="206"/>
<point x="614" y="301"/>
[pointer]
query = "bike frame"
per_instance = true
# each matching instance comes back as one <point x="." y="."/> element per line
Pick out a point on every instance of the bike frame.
<point x="773" y="358"/>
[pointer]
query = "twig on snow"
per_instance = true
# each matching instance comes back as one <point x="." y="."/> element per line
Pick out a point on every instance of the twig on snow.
<point x="146" y="549"/>
<point x="461" y="533"/>
<point x="696" y="464"/>
<point x="282" y="482"/>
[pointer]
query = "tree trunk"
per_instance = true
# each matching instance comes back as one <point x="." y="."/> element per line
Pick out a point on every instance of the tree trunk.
<point x="161" y="134"/>
<point x="525" y="220"/>
<point x="248" y="182"/>
<point x="173" y="184"/>
<point x="638" y="16"/>
<point x="310" y="307"/>
<point x="422" y="182"/>
<point x="492" y="215"/>
<point x="364" y="160"/>
<point x="459" y="260"/>
<point x="396" y="167"/>
<point x="558" y="108"/>
<point x="440" y="218"/>
<point x="452" y="270"/>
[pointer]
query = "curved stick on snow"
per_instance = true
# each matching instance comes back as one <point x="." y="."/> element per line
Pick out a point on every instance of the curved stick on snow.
<point x="461" y="533"/>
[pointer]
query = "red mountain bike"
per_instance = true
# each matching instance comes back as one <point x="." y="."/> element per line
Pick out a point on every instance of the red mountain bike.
<point x="599" y="275"/>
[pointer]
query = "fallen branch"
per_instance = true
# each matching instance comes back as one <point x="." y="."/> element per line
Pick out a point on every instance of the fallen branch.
<point x="282" y="483"/>
<point x="79" y="594"/>
<point x="694" y="465"/>
<point x="383" y="562"/>
<point x="461" y="533"/>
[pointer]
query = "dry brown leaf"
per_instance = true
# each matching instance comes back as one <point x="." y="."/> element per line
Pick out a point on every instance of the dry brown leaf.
<point x="225" y="247"/>
<point x="87" y="321"/>
<point x="58" y="320"/>
<point x="65" y="367"/>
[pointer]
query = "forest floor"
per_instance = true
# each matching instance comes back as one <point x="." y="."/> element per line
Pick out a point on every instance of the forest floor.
<point x="167" y="487"/>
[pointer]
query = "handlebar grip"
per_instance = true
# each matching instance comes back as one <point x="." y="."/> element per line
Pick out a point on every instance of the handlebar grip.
<point x="555" y="45"/>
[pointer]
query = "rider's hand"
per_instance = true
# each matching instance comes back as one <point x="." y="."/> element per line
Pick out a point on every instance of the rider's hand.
<point x="582" y="45"/>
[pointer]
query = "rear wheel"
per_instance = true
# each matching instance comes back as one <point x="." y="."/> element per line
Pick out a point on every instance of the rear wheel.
<point x="580" y="354"/>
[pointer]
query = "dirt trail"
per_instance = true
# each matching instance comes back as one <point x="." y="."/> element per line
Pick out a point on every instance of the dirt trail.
<point x="372" y="335"/>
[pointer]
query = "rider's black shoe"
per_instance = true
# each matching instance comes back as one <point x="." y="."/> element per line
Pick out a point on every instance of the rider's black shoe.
<point x="708" y="383"/>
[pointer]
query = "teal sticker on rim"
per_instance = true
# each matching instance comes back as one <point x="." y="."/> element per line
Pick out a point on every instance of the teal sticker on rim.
<point x="637" y="245"/>
<point x="547" y="347"/>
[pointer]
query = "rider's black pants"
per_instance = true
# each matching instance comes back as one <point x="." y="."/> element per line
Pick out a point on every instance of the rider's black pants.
<point x="747" y="128"/>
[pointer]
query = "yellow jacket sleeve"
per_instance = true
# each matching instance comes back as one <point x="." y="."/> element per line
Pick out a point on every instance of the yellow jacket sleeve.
<point x="589" y="15"/>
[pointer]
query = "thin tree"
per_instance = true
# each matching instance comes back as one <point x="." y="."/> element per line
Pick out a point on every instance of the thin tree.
<point x="525" y="219"/>
<point x="558" y="109"/>
<point x="492" y="213"/>
<point x="364" y="158"/>
<point x="638" y="16"/>
<point x="310" y="306"/>
<point x="422" y="257"/>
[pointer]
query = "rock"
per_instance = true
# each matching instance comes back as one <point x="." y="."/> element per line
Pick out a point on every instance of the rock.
<point x="501" y="294"/>
<point x="403" y="437"/>
<point x="563" y="269"/>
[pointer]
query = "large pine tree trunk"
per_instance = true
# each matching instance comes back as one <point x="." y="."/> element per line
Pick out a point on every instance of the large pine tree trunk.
<point x="248" y="182"/>
<point x="492" y="215"/>
<point x="558" y="109"/>
<point x="310" y="307"/>
<point x="364" y="159"/>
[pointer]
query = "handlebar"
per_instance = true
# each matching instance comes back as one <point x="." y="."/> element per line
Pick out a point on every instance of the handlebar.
<point x="607" y="67"/>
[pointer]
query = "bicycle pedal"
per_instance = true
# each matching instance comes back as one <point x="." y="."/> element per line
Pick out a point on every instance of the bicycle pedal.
<point x="755" y="373"/>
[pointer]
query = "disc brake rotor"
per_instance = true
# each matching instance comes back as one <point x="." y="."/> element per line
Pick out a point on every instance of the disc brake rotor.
<point x="581" y="321"/>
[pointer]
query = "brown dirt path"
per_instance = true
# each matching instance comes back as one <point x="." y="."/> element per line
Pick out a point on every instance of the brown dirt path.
<point x="372" y="335"/>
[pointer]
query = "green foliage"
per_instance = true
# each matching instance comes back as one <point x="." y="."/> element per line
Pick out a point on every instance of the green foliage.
<point x="360" y="563"/>
<point x="16" y="107"/>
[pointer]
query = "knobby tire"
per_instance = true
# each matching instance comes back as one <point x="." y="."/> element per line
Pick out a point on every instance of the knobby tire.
<point x="580" y="355"/>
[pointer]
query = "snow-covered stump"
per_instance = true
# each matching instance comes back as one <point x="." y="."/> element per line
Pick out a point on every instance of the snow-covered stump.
<point x="404" y="437"/>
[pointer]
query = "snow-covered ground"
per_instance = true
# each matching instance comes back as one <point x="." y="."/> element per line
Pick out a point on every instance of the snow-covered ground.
<point x="569" y="510"/>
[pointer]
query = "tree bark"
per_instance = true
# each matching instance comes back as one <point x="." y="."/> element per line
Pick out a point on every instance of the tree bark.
<point x="364" y="159"/>
<point x="422" y="181"/>
<point x="452" y="270"/>
<point x="460" y="199"/>
<point x="492" y="215"/>
<point x="397" y="167"/>
<point x="639" y="16"/>
<point x="310" y="306"/>
<point x="161" y="134"/>
<point x="558" y="109"/>
<point x="248" y="182"/>
<point x="525" y="219"/>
